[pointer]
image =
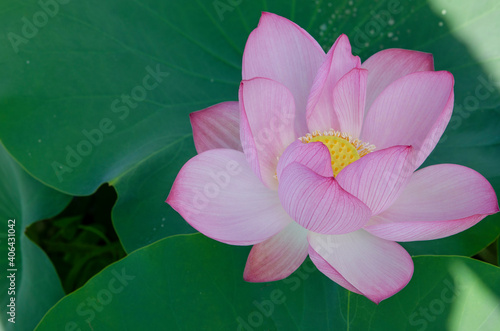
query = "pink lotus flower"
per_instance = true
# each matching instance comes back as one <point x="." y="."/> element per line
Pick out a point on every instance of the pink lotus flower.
<point x="318" y="157"/>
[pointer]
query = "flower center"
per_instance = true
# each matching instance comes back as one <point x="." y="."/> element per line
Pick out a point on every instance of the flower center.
<point x="343" y="148"/>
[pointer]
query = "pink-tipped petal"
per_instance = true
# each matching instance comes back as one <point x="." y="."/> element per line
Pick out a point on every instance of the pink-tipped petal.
<point x="320" y="108"/>
<point x="220" y="196"/>
<point x="329" y="271"/>
<point x="378" y="178"/>
<point x="314" y="155"/>
<point x="266" y="125"/>
<point x="439" y="201"/>
<point x="389" y="65"/>
<point x="277" y="257"/>
<point x="318" y="203"/>
<point x="282" y="51"/>
<point x="217" y="127"/>
<point x="414" y="110"/>
<point x="377" y="268"/>
<point x="349" y="101"/>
